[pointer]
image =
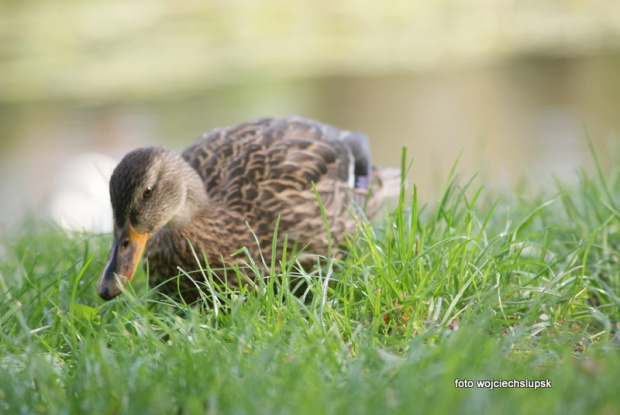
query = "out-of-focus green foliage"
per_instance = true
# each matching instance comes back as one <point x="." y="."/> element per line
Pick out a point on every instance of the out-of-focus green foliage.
<point x="69" y="49"/>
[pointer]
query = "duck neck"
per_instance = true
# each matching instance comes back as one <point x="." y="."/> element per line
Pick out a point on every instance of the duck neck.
<point x="196" y="199"/>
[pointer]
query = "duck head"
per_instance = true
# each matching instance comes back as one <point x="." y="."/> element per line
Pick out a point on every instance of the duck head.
<point x="150" y="188"/>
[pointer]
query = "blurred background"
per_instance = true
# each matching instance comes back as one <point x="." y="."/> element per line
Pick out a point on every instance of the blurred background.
<point x="511" y="83"/>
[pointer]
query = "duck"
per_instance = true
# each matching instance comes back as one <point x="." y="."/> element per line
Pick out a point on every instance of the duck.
<point x="228" y="192"/>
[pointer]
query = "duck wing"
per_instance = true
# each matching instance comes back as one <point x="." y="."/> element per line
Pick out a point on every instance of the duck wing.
<point x="268" y="166"/>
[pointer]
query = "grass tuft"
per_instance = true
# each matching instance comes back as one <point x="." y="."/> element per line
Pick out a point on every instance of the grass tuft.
<point x="475" y="287"/>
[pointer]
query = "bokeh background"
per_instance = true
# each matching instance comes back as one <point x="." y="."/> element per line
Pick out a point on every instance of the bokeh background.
<point x="511" y="83"/>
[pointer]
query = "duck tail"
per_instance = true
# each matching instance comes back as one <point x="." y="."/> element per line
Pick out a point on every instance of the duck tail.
<point x="390" y="179"/>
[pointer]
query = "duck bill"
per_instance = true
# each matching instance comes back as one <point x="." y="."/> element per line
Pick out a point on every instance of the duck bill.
<point x="123" y="260"/>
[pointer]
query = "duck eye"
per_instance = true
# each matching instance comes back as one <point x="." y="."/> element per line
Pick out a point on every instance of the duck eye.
<point x="147" y="192"/>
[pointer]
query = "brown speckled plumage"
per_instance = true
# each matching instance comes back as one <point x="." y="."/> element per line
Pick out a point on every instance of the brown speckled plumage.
<point x="251" y="173"/>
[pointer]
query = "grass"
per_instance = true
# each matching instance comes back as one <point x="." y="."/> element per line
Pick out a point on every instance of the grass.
<point x="474" y="287"/>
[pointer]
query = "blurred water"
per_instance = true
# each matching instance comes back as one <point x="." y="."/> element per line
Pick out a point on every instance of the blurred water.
<point x="520" y="119"/>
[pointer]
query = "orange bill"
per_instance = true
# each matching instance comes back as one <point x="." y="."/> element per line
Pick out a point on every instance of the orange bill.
<point x="123" y="260"/>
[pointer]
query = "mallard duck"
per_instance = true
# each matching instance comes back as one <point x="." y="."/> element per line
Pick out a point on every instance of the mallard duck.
<point x="227" y="191"/>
